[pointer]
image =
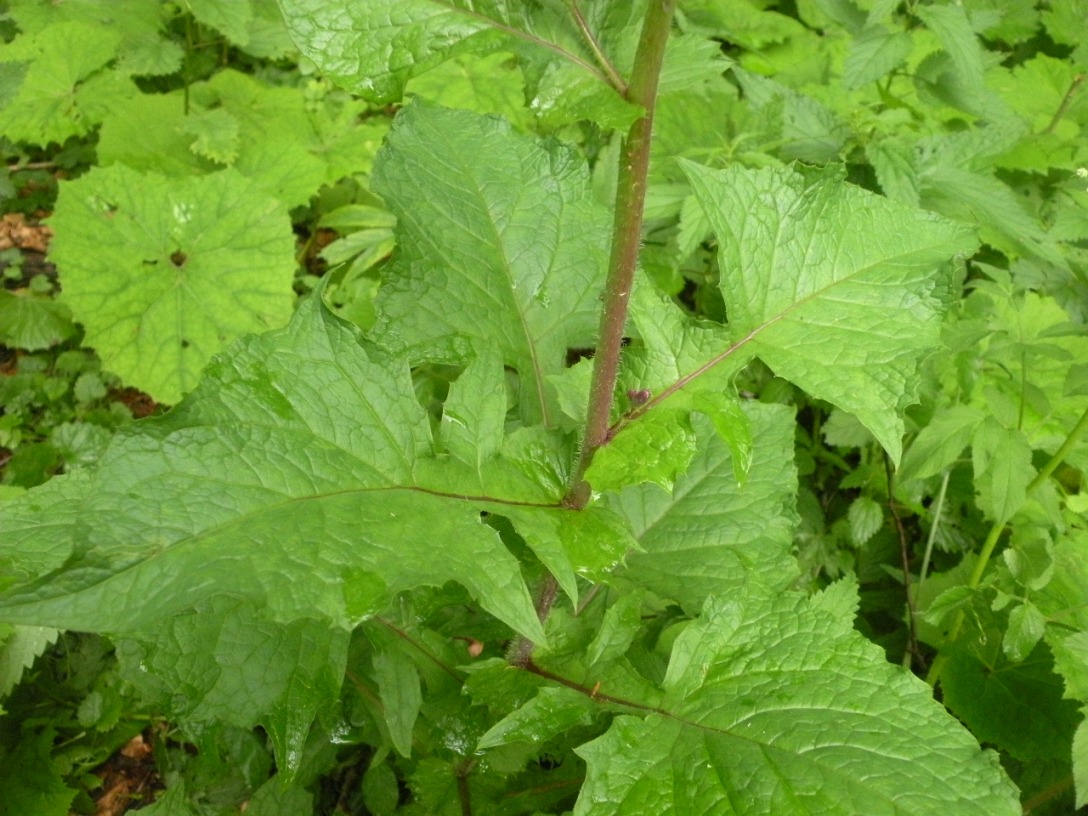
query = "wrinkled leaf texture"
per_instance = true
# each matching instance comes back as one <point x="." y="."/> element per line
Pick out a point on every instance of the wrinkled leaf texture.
<point x="775" y="705"/>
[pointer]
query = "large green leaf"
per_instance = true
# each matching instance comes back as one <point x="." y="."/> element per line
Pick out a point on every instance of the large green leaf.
<point x="294" y="458"/>
<point x="500" y="244"/>
<point x="164" y="273"/>
<point x="775" y="705"/>
<point x="837" y="289"/>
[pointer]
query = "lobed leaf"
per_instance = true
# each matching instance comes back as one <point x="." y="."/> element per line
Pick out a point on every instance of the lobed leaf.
<point x="165" y="273"/>
<point x="294" y="457"/>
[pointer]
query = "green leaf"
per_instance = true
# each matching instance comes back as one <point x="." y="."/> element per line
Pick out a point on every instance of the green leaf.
<point x="874" y="53"/>
<point x="174" y="802"/>
<point x="398" y="685"/>
<point x="231" y="17"/>
<point x="474" y="413"/>
<point x="802" y="126"/>
<point x="589" y="543"/>
<point x="773" y="705"/>
<point x="67" y="88"/>
<point x="1025" y="630"/>
<point x="224" y="663"/>
<point x="865" y="517"/>
<point x="829" y="285"/>
<point x="953" y="29"/>
<point x="374" y="48"/>
<point x="165" y="273"/>
<point x="274" y="798"/>
<point x="294" y="457"/>
<point x="1080" y="763"/>
<point x="500" y="244"/>
<point x="31" y="777"/>
<point x="1003" y="470"/>
<point x="710" y="534"/>
<point x="381" y="792"/>
<point x="31" y="322"/>
<point x="490" y="84"/>
<point x="657" y="448"/>
<point x="940" y="443"/>
<point x="216" y="135"/>
<point x="1016" y="707"/>
<point x="618" y="629"/>
<point x="19" y="650"/>
<point x="551" y="712"/>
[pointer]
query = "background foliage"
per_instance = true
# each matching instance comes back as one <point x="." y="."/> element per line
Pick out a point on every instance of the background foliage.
<point x="853" y="400"/>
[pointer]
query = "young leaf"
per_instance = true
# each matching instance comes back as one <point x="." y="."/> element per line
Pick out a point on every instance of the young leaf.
<point x="551" y="712"/>
<point x="773" y="705"/>
<point x="165" y="273"/>
<point x="940" y="443"/>
<point x="1025" y="630"/>
<point x="865" y="517"/>
<point x="31" y="322"/>
<point x="829" y="285"/>
<point x="618" y="629"/>
<point x="501" y="244"/>
<point x="398" y="685"/>
<point x="1003" y="470"/>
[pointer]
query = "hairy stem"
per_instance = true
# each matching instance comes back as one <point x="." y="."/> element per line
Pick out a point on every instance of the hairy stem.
<point x="990" y="544"/>
<point x="626" y="239"/>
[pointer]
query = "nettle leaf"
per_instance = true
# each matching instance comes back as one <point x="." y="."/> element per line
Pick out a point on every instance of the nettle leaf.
<point x="775" y="705"/>
<point x="500" y="244"/>
<point x="836" y="289"/>
<point x="294" y="457"/>
<point x="874" y="53"/>
<point x="165" y="273"/>
<point x="374" y="48"/>
<point x="710" y="533"/>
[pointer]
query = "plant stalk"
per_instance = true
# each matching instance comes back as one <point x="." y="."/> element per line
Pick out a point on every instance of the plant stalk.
<point x="990" y="544"/>
<point x="626" y="240"/>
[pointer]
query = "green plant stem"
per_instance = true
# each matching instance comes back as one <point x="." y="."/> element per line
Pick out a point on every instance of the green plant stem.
<point x="626" y="240"/>
<point x="938" y="508"/>
<point x="994" y="535"/>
